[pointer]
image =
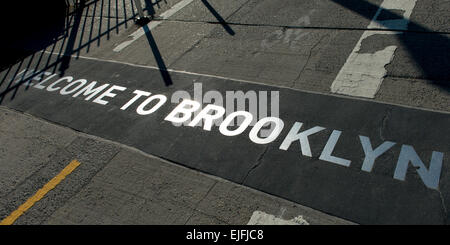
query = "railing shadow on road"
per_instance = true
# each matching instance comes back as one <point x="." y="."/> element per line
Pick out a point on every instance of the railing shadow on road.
<point x="428" y="49"/>
<point x="219" y="18"/>
<point x="89" y="24"/>
<point x="151" y="41"/>
<point x="159" y="60"/>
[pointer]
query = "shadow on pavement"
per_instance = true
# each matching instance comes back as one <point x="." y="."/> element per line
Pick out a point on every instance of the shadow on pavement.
<point x="28" y="27"/>
<point x="61" y="32"/>
<point x="159" y="60"/>
<point x="65" y="60"/>
<point x="218" y="17"/>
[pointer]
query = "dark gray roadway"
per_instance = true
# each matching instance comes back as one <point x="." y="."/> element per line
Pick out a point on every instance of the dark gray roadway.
<point x="296" y="48"/>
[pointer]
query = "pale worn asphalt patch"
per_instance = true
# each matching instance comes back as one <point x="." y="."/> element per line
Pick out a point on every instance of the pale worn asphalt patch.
<point x="261" y="218"/>
<point x="363" y="73"/>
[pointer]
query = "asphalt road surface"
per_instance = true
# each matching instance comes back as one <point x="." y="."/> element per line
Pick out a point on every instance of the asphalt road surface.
<point x="356" y="93"/>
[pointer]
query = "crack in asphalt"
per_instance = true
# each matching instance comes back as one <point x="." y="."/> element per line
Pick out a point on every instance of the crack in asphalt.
<point x="383" y="123"/>
<point x="444" y="208"/>
<point x="201" y="200"/>
<point x="256" y="165"/>
<point x="420" y="77"/>
<point x="303" y="27"/>
<point x="186" y="52"/>
<point x="237" y="10"/>
<point x="307" y="60"/>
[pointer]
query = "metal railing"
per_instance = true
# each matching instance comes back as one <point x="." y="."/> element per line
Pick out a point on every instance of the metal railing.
<point x="142" y="19"/>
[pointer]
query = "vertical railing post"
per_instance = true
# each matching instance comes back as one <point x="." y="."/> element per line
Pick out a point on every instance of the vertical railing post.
<point x="139" y="8"/>
<point x="142" y="19"/>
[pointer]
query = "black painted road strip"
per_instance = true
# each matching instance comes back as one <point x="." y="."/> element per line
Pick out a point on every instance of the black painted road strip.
<point x="364" y="197"/>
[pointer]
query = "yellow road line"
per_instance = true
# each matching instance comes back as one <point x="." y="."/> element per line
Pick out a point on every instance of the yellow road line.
<point x="40" y="193"/>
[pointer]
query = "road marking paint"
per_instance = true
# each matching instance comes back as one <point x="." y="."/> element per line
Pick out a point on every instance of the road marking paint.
<point x="261" y="218"/>
<point x="254" y="82"/>
<point x="153" y="24"/>
<point x="362" y="73"/>
<point x="40" y="193"/>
